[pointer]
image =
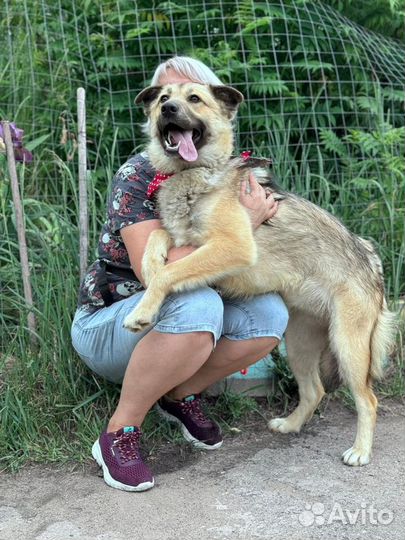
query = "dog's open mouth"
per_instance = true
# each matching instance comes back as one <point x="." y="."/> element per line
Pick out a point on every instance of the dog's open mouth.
<point x="184" y="142"/>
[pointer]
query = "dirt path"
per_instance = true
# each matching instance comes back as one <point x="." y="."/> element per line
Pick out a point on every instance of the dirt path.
<point x="257" y="486"/>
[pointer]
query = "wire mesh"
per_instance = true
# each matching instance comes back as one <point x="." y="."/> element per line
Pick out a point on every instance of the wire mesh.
<point x="324" y="96"/>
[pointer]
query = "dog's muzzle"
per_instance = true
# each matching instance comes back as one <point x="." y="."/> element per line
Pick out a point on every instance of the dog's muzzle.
<point x="179" y="136"/>
<point x="169" y="109"/>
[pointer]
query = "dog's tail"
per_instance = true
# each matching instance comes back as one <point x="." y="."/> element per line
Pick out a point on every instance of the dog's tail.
<point x="383" y="335"/>
<point x="382" y="340"/>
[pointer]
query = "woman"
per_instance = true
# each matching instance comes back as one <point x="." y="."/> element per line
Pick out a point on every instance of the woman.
<point x="199" y="338"/>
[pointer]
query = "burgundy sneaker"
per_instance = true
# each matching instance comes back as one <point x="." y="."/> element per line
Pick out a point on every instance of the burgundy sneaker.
<point x="118" y="454"/>
<point x="195" y="426"/>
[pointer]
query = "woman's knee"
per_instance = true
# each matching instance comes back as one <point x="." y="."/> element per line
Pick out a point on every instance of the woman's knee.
<point x="260" y="316"/>
<point x="200" y="310"/>
<point x="272" y="308"/>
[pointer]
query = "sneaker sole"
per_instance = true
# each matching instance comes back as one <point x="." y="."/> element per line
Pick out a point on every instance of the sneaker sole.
<point x="109" y="480"/>
<point x="186" y="434"/>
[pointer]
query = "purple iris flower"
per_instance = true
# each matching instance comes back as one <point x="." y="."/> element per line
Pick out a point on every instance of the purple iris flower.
<point x="17" y="134"/>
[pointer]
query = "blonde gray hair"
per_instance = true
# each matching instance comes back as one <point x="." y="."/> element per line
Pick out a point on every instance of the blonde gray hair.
<point x="188" y="67"/>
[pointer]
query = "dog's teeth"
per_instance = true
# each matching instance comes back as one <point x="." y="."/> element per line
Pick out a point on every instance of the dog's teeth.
<point x="172" y="146"/>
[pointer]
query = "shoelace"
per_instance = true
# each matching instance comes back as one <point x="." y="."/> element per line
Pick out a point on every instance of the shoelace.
<point x="194" y="408"/>
<point x="128" y="445"/>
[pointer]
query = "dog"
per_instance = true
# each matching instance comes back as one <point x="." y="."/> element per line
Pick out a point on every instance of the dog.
<point x="330" y="279"/>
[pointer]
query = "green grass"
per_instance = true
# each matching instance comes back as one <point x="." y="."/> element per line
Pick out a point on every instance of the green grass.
<point x="51" y="407"/>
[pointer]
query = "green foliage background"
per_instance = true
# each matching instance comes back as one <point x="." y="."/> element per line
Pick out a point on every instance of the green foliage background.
<point x="324" y="98"/>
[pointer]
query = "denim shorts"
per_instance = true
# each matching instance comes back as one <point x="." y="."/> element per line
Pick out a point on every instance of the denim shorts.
<point x="106" y="346"/>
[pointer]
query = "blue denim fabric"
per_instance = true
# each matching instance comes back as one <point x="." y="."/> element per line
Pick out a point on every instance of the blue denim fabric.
<point x="105" y="346"/>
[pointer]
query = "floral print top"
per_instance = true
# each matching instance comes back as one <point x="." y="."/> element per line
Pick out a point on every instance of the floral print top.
<point x="127" y="204"/>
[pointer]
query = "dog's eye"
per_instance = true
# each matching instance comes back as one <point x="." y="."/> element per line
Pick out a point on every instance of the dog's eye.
<point x="194" y="99"/>
<point x="163" y="99"/>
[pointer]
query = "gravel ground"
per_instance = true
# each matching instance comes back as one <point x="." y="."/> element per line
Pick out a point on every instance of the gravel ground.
<point x="259" y="485"/>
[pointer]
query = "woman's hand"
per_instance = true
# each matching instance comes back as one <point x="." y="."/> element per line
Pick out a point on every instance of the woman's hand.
<point x="259" y="203"/>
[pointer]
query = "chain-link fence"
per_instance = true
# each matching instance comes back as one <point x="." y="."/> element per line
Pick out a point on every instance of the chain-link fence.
<point x="324" y="98"/>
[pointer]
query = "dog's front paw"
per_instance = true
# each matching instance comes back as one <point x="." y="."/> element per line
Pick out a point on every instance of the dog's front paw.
<point x="356" y="457"/>
<point x="138" y="320"/>
<point x="282" y="425"/>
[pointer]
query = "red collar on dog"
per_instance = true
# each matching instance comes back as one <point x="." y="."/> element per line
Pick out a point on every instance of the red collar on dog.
<point x="160" y="177"/>
<point x="157" y="180"/>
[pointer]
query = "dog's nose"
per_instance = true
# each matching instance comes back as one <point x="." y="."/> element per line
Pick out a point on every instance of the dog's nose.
<point x="169" y="108"/>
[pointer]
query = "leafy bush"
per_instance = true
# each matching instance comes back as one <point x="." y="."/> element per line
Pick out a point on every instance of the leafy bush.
<point x="324" y="100"/>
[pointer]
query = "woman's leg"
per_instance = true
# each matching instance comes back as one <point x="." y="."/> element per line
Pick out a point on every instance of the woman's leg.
<point x="251" y="329"/>
<point x="158" y="363"/>
<point x="152" y="363"/>
<point x="149" y="364"/>
<point x="227" y="358"/>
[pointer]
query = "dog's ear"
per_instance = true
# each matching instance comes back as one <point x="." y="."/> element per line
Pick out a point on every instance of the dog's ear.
<point x="147" y="96"/>
<point x="231" y="98"/>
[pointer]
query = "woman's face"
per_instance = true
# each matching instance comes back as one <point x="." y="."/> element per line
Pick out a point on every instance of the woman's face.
<point x="172" y="77"/>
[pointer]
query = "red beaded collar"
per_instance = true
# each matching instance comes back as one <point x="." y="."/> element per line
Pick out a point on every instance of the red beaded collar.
<point x="160" y="177"/>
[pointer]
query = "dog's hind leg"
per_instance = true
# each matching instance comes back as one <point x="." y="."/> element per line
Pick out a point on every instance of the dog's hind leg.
<point x="351" y="329"/>
<point x="306" y="340"/>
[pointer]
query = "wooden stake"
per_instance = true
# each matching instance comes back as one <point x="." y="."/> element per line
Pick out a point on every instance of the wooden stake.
<point x="22" y="243"/>
<point x="83" y="204"/>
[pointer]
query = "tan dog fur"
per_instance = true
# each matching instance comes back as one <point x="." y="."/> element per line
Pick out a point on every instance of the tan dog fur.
<point x="330" y="279"/>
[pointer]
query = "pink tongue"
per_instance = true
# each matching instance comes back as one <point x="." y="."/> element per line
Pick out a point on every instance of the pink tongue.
<point x="187" y="149"/>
